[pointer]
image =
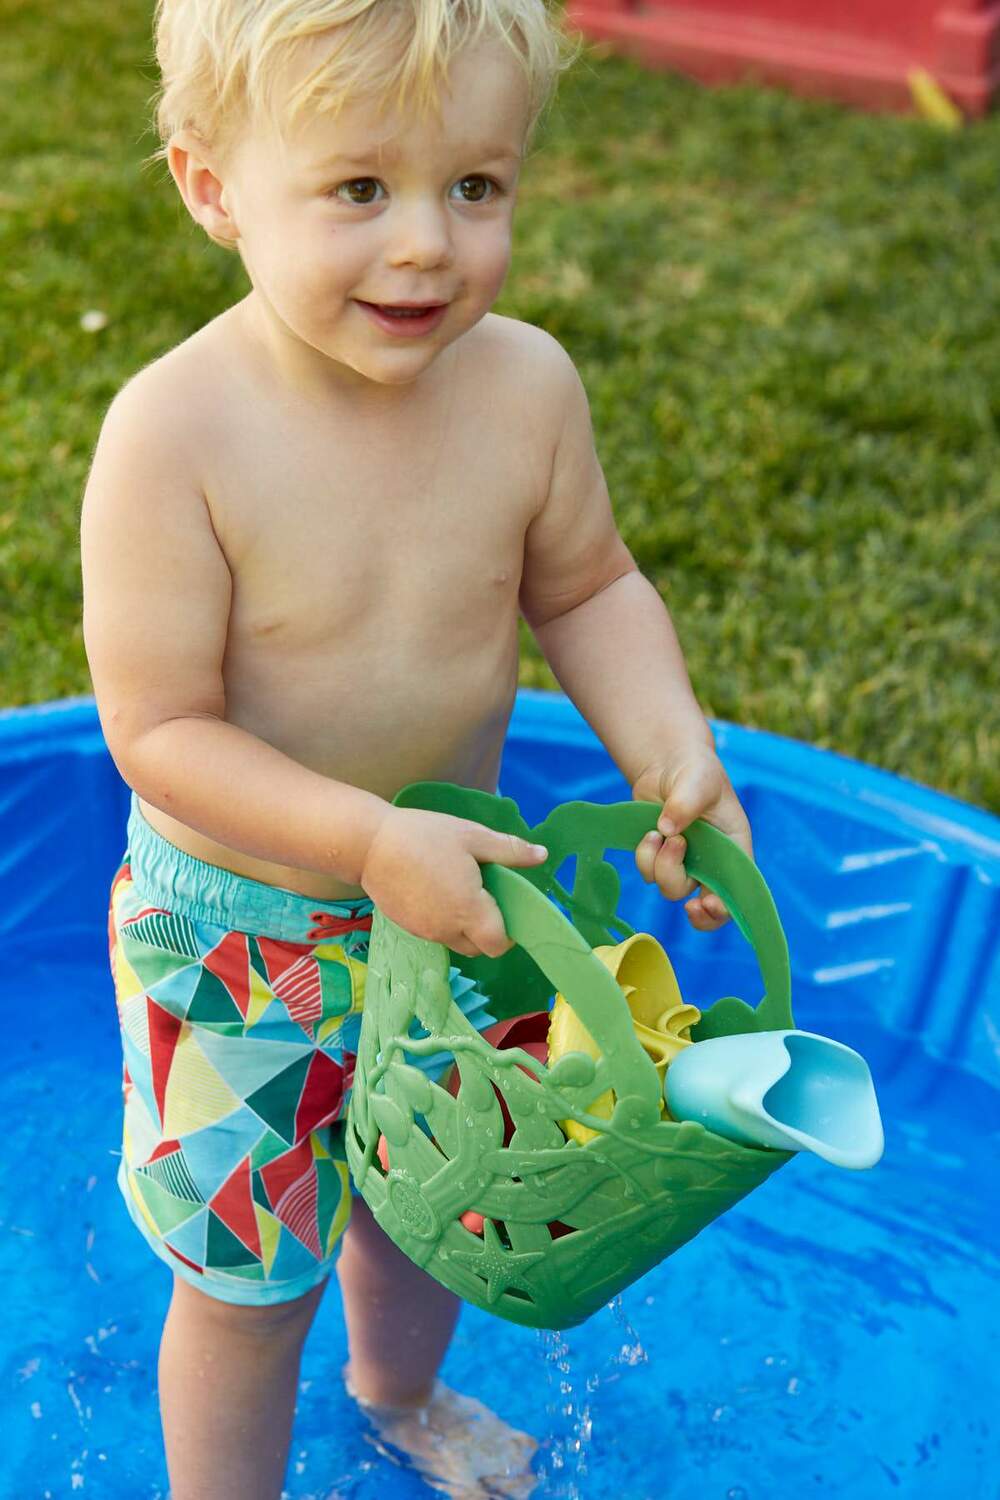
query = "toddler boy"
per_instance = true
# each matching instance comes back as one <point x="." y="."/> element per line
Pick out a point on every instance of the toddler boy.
<point x="307" y="536"/>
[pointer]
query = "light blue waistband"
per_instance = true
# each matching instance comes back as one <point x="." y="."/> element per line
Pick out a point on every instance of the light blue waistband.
<point x="169" y="877"/>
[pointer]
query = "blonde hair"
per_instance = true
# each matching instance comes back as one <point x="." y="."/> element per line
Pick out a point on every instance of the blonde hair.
<point x="221" y="60"/>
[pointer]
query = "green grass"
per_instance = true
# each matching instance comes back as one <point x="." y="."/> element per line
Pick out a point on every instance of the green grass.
<point x="786" y="316"/>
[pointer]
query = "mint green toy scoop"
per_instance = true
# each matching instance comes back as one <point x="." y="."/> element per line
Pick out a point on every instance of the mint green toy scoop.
<point x="792" y="1090"/>
<point x="565" y="1226"/>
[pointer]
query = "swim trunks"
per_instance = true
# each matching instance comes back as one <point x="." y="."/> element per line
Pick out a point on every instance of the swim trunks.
<point x="239" y="1006"/>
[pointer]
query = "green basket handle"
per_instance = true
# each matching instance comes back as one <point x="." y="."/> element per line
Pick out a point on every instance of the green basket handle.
<point x="568" y="962"/>
<point x="713" y="860"/>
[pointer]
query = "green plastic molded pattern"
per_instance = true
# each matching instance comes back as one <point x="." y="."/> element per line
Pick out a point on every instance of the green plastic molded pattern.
<point x="631" y="1196"/>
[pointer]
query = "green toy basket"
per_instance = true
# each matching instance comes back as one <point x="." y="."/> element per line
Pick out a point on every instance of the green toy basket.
<point x="636" y="1191"/>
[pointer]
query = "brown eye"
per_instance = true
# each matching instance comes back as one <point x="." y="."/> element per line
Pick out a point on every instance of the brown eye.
<point x="360" y="190"/>
<point x="474" y="189"/>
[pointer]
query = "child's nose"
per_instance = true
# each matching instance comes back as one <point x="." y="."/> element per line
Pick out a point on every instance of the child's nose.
<point x="421" y="238"/>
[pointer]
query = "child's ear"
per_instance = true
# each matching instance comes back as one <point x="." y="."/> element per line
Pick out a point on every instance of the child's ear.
<point x="201" y="188"/>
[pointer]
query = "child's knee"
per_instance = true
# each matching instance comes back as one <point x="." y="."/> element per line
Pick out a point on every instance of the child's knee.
<point x="273" y="1322"/>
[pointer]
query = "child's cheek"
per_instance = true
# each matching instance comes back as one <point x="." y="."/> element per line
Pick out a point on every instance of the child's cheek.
<point x="493" y="267"/>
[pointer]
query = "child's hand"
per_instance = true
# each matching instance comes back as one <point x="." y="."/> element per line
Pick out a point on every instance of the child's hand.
<point x="693" y="787"/>
<point x="422" y="871"/>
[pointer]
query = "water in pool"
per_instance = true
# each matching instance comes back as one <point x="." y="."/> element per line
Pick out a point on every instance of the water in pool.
<point x="834" y="1334"/>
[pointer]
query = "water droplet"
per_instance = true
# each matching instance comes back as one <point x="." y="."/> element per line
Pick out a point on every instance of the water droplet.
<point x="633" y="1354"/>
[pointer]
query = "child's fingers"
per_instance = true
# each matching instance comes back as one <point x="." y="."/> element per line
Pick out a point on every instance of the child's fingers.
<point x="645" y="856"/>
<point x="696" y="789"/>
<point x="714" y="906"/>
<point x="702" y="915"/>
<point x="671" y="876"/>
<point x="662" y="860"/>
<point x="505" y="848"/>
<point x="485" y="930"/>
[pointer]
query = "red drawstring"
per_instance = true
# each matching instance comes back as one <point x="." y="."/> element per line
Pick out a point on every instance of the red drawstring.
<point x="327" y="925"/>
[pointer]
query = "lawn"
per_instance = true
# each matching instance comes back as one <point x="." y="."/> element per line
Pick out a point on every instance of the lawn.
<point x="786" y="316"/>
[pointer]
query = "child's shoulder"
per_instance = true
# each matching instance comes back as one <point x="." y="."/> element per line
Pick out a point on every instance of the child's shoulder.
<point x="154" y="454"/>
<point x="528" y="348"/>
<point x="535" y="368"/>
<point x="171" y="402"/>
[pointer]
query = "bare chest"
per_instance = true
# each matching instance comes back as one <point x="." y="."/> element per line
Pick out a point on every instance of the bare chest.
<point x="366" y="535"/>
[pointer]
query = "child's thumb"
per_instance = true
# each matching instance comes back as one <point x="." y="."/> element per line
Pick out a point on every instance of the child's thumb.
<point x="693" y="790"/>
<point x="508" y="849"/>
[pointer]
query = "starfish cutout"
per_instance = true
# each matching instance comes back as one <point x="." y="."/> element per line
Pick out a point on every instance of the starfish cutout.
<point x="501" y="1268"/>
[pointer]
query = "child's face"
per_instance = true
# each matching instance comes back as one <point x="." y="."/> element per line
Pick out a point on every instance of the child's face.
<point x="346" y="220"/>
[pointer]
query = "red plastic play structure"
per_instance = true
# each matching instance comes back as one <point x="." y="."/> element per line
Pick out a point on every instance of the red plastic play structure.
<point x="860" y="51"/>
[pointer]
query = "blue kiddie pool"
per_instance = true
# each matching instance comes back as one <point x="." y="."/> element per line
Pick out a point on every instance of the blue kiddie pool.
<point x="836" y="1334"/>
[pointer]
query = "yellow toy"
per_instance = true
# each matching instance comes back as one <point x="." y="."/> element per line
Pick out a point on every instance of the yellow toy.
<point x="660" y="1018"/>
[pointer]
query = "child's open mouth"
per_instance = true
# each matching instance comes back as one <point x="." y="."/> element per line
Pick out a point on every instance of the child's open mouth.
<point x="405" y="322"/>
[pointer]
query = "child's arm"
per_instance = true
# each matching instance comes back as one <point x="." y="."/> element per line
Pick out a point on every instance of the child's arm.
<point x="157" y="592"/>
<point x="610" y="642"/>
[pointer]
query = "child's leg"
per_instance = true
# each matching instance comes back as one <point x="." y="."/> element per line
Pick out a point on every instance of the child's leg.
<point x="228" y="1380"/>
<point x="399" y="1323"/>
<point x="399" y="1319"/>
